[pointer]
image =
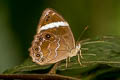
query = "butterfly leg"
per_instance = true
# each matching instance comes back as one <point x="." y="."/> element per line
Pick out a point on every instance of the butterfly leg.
<point x="79" y="59"/>
<point x="79" y="55"/>
<point x="66" y="62"/>
<point x="53" y="69"/>
<point x="69" y="59"/>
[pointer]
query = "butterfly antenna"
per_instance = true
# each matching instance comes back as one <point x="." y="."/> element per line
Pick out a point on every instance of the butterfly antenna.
<point x="82" y="33"/>
<point x="80" y="55"/>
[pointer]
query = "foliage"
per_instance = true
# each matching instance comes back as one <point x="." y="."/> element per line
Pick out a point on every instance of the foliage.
<point x="101" y="61"/>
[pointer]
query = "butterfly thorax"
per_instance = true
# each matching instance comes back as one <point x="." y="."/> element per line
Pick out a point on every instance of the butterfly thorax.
<point x="75" y="50"/>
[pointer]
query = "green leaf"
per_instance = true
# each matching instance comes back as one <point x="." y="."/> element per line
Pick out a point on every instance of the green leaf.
<point x="27" y="66"/>
<point x="101" y="50"/>
<point x="104" y="50"/>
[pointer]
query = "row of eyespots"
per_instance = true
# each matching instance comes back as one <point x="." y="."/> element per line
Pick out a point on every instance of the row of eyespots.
<point x="36" y="43"/>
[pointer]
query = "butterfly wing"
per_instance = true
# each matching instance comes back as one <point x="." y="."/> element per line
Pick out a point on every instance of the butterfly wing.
<point x="54" y="39"/>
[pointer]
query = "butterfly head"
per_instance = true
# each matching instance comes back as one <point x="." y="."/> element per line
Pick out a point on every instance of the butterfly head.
<point x="78" y="46"/>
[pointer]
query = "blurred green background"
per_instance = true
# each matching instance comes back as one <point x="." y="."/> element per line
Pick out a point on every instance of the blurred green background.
<point x="19" y="19"/>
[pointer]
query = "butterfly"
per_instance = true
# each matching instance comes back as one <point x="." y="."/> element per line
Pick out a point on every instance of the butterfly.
<point x="54" y="40"/>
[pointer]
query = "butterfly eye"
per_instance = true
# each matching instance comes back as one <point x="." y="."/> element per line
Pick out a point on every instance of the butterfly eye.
<point x="47" y="36"/>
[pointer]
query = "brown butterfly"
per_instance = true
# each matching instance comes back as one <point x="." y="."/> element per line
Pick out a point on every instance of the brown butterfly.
<point x="54" y="40"/>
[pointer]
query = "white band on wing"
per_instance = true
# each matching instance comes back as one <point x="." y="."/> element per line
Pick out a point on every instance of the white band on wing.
<point x="53" y="25"/>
